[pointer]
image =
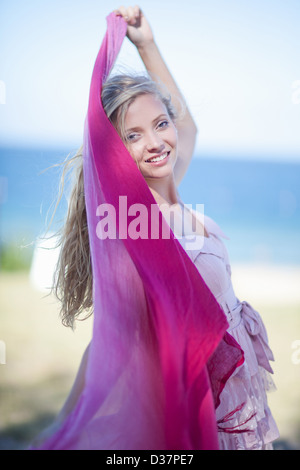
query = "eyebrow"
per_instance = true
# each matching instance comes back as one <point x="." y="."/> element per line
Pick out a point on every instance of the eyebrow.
<point x="137" y="128"/>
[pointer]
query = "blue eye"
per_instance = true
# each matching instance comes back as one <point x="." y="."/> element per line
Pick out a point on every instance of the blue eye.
<point x="163" y="124"/>
<point x="131" y="137"/>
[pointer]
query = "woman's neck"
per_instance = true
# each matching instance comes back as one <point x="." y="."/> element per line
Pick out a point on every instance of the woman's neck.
<point x="164" y="191"/>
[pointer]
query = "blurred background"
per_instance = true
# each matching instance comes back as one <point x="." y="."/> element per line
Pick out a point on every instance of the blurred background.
<point x="236" y="64"/>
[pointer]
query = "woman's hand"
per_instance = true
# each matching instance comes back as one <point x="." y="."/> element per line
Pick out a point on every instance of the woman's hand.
<point x="138" y="28"/>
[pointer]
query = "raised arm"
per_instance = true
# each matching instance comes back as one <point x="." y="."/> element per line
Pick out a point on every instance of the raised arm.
<point x="140" y="34"/>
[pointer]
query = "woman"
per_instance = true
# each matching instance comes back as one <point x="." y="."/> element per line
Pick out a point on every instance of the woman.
<point x="160" y="360"/>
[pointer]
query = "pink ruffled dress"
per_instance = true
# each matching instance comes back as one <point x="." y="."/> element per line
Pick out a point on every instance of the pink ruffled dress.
<point x="246" y="389"/>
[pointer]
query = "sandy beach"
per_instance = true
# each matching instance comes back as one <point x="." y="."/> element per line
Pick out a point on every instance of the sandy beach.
<point x="42" y="356"/>
<point x="275" y="292"/>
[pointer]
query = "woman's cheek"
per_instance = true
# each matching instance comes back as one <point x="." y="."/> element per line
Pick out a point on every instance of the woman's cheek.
<point x="136" y="153"/>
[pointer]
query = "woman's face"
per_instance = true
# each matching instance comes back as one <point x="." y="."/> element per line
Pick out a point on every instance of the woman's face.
<point x="151" y="136"/>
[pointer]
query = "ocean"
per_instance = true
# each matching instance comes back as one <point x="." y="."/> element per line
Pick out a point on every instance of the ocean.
<point x="255" y="202"/>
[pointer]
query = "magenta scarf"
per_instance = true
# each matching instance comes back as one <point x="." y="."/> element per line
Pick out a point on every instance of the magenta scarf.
<point x="159" y="355"/>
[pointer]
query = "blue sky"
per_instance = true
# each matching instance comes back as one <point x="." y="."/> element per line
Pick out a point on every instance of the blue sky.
<point x="236" y="62"/>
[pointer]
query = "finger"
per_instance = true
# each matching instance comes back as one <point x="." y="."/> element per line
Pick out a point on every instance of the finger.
<point x="136" y="11"/>
<point x="131" y="15"/>
<point x="122" y="11"/>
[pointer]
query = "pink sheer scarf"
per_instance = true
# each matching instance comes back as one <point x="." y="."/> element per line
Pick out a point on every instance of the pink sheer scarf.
<point x="159" y="355"/>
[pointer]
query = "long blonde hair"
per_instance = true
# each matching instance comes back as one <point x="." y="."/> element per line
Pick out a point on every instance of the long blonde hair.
<point x="73" y="280"/>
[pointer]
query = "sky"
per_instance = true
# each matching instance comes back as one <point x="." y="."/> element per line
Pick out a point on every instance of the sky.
<point x="235" y="61"/>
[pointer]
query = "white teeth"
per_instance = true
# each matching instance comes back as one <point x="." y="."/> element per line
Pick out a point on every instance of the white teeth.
<point x="158" y="159"/>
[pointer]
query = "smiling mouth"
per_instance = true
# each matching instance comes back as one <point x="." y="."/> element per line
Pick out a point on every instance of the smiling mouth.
<point x="158" y="159"/>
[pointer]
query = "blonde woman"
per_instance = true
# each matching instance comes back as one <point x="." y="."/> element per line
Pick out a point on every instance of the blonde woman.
<point x="156" y="394"/>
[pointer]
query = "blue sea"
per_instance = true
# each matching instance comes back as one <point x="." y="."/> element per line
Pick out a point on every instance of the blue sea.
<point x="255" y="202"/>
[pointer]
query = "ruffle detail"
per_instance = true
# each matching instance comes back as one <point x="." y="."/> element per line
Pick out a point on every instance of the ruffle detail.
<point x="252" y="426"/>
<point x="258" y="337"/>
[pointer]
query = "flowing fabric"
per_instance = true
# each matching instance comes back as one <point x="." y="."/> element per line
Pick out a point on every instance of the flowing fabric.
<point x="160" y="355"/>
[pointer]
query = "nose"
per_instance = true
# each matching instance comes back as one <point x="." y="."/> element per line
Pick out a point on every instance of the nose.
<point x="154" y="142"/>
